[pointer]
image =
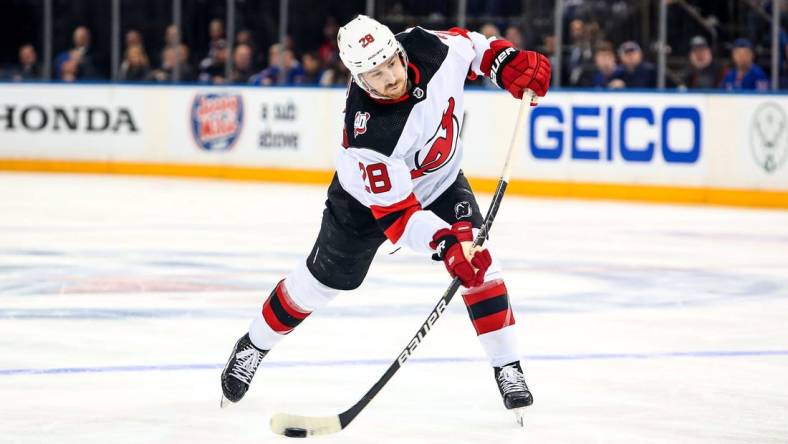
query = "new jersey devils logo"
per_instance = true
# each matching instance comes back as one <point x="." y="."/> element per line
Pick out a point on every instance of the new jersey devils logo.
<point x="441" y="147"/>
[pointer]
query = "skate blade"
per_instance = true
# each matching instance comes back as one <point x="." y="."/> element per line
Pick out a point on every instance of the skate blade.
<point x="519" y="416"/>
<point x="224" y="402"/>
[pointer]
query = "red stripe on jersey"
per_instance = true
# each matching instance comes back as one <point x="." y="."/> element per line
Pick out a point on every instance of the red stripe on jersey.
<point x="416" y="73"/>
<point x="287" y="303"/>
<point x="397" y="229"/>
<point x="459" y="31"/>
<point x="273" y="322"/>
<point x="485" y="291"/>
<point x="493" y="322"/>
<point x="380" y="211"/>
<point x="407" y="207"/>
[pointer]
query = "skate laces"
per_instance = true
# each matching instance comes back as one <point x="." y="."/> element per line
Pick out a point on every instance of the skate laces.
<point x="511" y="380"/>
<point x="246" y="364"/>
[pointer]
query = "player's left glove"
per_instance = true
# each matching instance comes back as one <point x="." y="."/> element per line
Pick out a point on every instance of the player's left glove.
<point x="515" y="70"/>
<point x="455" y="248"/>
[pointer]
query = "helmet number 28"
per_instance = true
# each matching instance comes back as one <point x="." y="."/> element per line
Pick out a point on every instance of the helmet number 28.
<point x="366" y="40"/>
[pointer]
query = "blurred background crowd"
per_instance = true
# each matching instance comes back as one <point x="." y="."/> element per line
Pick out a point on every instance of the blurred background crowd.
<point x="724" y="44"/>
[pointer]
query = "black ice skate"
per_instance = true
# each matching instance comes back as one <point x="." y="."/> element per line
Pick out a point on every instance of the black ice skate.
<point x="515" y="393"/>
<point x="239" y="370"/>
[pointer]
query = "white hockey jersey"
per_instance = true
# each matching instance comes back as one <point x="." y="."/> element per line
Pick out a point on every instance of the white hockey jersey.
<point x="399" y="155"/>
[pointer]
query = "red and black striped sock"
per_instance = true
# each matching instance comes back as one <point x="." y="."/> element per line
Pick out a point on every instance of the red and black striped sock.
<point x="280" y="312"/>
<point x="488" y="306"/>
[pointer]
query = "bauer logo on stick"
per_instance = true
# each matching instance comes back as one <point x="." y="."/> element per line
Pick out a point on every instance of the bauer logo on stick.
<point x="217" y="120"/>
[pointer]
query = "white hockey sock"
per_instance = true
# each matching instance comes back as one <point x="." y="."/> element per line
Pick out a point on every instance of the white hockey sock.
<point x="501" y="345"/>
<point x="299" y="295"/>
<point x="262" y="335"/>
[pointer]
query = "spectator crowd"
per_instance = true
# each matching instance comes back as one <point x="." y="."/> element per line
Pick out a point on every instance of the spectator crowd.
<point x="283" y="64"/>
<point x="592" y="62"/>
<point x="588" y="60"/>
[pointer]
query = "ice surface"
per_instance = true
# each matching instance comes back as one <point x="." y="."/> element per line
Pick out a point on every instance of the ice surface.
<point x="120" y="299"/>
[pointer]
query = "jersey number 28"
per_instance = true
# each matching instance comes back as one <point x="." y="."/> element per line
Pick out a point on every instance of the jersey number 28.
<point x="378" y="177"/>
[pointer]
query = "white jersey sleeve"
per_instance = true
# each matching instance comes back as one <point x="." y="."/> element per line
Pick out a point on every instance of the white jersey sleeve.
<point x="469" y="45"/>
<point x="384" y="184"/>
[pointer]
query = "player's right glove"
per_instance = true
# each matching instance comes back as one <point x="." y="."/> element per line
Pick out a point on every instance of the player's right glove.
<point x="455" y="248"/>
<point x="515" y="70"/>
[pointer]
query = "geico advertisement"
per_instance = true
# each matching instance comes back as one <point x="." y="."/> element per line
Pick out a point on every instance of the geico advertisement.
<point x="296" y="128"/>
<point x="643" y="138"/>
<point x="71" y="122"/>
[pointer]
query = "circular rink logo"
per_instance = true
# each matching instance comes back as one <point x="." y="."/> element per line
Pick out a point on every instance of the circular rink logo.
<point x="769" y="136"/>
<point x="217" y="120"/>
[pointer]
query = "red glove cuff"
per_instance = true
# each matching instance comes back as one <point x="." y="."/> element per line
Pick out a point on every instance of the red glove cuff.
<point x="496" y="46"/>
<point x="462" y="231"/>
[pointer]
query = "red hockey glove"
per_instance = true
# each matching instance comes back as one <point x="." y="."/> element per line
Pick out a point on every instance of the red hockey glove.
<point x="516" y="70"/>
<point x="455" y="248"/>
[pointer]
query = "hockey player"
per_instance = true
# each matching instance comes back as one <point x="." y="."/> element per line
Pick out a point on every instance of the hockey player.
<point x="398" y="178"/>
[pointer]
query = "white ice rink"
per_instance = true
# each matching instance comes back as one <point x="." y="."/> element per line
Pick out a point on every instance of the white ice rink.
<point x="121" y="297"/>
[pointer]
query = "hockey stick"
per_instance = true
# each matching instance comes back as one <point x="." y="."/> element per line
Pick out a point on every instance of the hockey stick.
<point x="297" y="426"/>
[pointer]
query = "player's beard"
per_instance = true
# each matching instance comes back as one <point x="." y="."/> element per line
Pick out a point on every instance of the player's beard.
<point x="397" y="90"/>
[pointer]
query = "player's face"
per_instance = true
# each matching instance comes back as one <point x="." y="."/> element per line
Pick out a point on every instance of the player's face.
<point x="389" y="80"/>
